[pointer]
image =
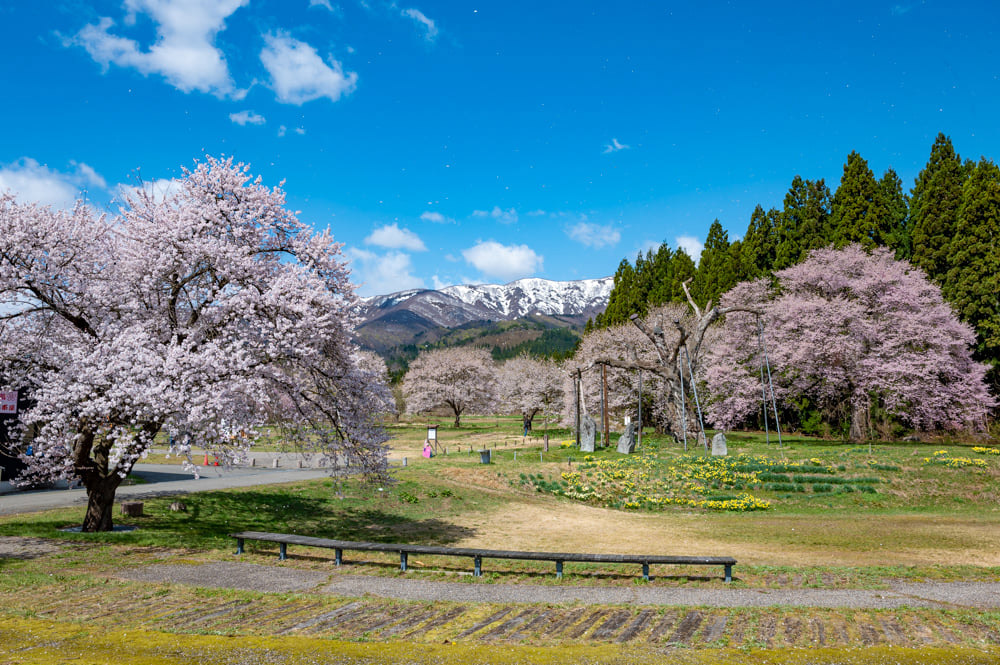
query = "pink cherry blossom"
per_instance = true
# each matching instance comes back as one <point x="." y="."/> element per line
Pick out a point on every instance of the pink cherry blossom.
<point x="205" y="314"/>
<point x="850" y="330"/>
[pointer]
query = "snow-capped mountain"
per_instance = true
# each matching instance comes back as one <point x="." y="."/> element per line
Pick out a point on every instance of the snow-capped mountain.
<point x="455" y="305"/>
<point x="398" y="318"/>
<point x="537" y="296"/>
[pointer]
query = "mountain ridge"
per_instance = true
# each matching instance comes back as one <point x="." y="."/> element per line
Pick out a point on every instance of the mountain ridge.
<point x="420" y="315"/>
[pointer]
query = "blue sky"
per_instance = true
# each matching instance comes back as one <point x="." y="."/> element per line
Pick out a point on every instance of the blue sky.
<point x="458" y="142"/>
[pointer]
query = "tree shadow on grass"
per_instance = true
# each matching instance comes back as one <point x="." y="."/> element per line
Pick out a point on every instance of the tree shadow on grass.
<point x="210" y="518"/>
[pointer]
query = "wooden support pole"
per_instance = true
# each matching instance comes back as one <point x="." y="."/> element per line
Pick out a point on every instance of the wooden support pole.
<point x="604" y="403"/>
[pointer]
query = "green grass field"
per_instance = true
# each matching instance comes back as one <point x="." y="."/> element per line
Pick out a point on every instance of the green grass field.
<point x="825" y="515"/>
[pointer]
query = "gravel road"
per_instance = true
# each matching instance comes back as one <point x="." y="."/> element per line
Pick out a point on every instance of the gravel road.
<point x="256" y="577"/>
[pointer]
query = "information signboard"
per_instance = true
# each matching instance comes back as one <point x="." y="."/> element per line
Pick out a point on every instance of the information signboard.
<point x="8" y="402"/>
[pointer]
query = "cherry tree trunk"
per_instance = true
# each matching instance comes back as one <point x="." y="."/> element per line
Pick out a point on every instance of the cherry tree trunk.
<point x="859" y="421"/>
<point x="100" y="504"/>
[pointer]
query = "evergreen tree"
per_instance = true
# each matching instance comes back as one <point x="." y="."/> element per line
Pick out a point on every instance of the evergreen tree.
<point x="759" y="244"/>
<point x="736" y="261"/>
<point x="622" y="301"/>
<point x="643" y="283"/>
<point x="857" y="213"/>
<point x="973" y="282"/>
<point x="684" y="269"/>
<point x="660" y="271"/>
<point x="716" y="273"/>
<point x="896" y="205"/>
<point x="805" y="221"/>
<point x="936" y="198"/>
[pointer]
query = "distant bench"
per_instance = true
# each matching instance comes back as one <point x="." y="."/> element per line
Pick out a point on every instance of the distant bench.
<point x="338" y="546"/>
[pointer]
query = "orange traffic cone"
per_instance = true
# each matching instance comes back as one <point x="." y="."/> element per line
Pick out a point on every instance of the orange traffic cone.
<point x="206" y="459"/>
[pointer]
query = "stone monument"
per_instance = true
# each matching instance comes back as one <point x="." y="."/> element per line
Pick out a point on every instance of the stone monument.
<point x="719" y="445"/>
<point x="626" y="442"/>
<point x="588" y="433"/>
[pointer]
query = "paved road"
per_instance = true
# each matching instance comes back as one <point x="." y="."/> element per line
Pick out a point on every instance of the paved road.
<point x="161" y="480"/>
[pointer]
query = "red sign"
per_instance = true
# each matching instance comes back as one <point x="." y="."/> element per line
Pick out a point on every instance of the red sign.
<point x="8" y="401"/>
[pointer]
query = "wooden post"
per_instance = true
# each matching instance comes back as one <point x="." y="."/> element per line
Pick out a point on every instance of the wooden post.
<point x="639" y="439"/>
<point x="577" y="383"/>
<point x="604" y="400"/>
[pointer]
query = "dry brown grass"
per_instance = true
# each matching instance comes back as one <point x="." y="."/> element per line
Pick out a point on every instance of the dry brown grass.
<point x="756" y="539"/>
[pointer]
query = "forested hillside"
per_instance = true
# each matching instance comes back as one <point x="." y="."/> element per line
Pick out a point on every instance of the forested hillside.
<point x="948" y="225"/>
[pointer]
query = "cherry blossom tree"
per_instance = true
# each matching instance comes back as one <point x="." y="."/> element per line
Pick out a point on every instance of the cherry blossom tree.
<point x="853" y="329"/>
<point x="463" y="379"/>
<point x="672" y="341"/>
<point x="197" y="313"/>
<point x="530" y="386"/>
<point x="621" y="344"/>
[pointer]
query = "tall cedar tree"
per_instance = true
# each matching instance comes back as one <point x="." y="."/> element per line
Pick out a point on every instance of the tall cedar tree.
<point x="683" y="269"/>
<point x="656" y="279"/>
<point x="716" y="273"/>
<point x="805" y="221"/>
<point x="897" y="206"/>
<point x="973" y="283"/>
<point x="622" y="300"/>
<point x="857" y="214"/>
<point x="759" y="243"/>
<point x="936" y="198"/>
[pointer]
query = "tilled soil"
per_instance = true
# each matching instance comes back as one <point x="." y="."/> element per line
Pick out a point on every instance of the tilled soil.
<point x="386" y="608"/>
<point x="241" y="598"/>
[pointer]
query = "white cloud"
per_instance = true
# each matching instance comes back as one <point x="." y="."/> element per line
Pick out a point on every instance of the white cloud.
<point x="594" y="235"/>
<point x="508" y="262"/>
<point x="393" y="237"/>
<point x="281" y="130"/>
<point x="427" y="25"/>
<point x="37" y="183"/>
<point x="299" y="74"/>
<point x="615" y="146"/>
<point x="326" y="4"/>
<point x="649" y="245"/>
<point x="440" y="283"/>
<point x="301" y="131"/>
<point x="184" y="52"/>
<point x="159" y="189"/>
<point x="88" y="175"/>
<point x="436" y="218"/>
<point x="503" y="216"/>
<point x="691" y="245"/>
<point x="379" y="274"/>
<point x="247" y="118"/>
<point x="536" y="213"/>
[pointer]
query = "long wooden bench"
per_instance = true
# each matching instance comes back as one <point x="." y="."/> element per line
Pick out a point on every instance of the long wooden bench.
<point x="338" y="546"/>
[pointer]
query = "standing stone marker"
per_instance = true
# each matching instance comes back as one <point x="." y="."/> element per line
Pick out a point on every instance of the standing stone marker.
<point x="588" y="433"/>
<point x="719" y="445"/>
<point x="626" y="442"/>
